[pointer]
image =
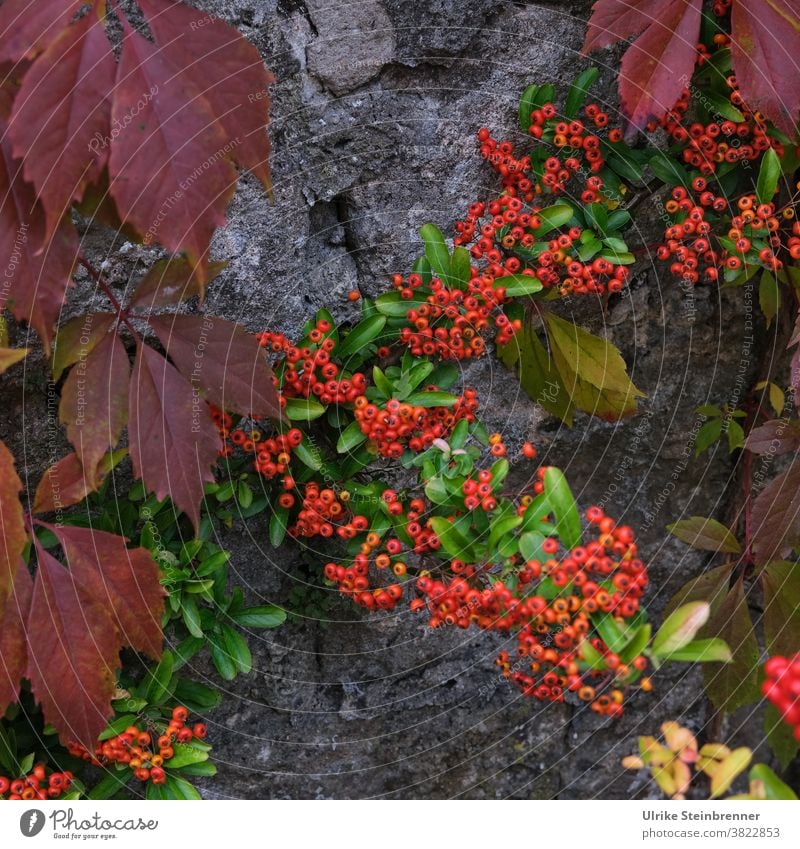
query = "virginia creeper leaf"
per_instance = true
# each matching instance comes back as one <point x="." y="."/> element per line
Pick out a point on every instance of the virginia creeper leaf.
<point x="171" y="175"/>
<point x="222" y="359"/>
<point x="170" y="281"/>
<point x="710" y="586"/>
<point x="173" y="441"/>
<point x="73" y="652"/>
<point x="128" y="579"/>
<point x="780" y="582"/>
<point x="775" y="516"/>
<point x="13" y="654"/>
<point x="76" y="339"/>
<point x="227" y="69"/>
<point x="12" y="525"/>
<point x="778" y="436"/>
<point x="94" y="401"/>
<point x="765" y="45"/>
<point x="26" y="28"/>
<point x="62" y="485"/>
<point x="10" y="357"/>
<point x="60" y="122"/>
<point x="706" y="534"/>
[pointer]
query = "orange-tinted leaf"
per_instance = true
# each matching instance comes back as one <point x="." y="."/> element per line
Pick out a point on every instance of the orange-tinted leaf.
<point x="60" y="122"/>
<point x="12" y="524"/>
<point x="63" y="485"/>
<point x="658" y="65"/>
<point x="26" y="28"/>
<point x="10" y="357"/>
<point x="77" y="338"/>
<point x="128" y="579"/>
<point x="73" y="652"/>
<point x="37" y="273"/>
<point x="173" y="441"/>
<point x="765" y="45"/>
<point x="227" y="69"/>
<point x="94" y="401"/>
<point x="13" y="654"/>
<point x="171" y="281"/>
<point x="221" y="358"/>
<point x="171" y="175"/>
<point x="775" y="517"/>
<point x="731" y="685"/>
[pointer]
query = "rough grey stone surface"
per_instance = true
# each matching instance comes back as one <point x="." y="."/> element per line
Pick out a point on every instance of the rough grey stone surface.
<point x="375" y="108"/>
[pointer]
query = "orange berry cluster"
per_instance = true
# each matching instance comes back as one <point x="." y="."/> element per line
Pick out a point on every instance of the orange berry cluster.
<point x="321" y="510"/>
<point x="145" y="751"/>
<point x="782" y="688"/>
<point x="396" y="425"/>
<point x="753" y="234"/>
<point x="36" y="785"/>
<point x="605" y="575"/>
<point x="450" y="322"/>
<point x="310" y="370"/>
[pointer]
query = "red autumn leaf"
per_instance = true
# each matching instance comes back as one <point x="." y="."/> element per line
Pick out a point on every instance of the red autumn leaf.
<point x="774" y="437"/>
<point x="171" y="176"/>
<point x="94" y="401"/>
<point x="62" y="485"/>
<point x="37" y="273"/>
<point x="170" y="281"/>
<point x="13" y="654"/>
<point x="77" y="338"/>
<point x="60" y="122"/>
<point x="26" y="28"/>
<point x="12" y="524"/>
<point x="227" y="69"/>
<point x="173" y="441"/>
<point x="765" y="46"/>
<point x="222" y="359"/>
<point x="657" y="67"/>
<point x="775" y="517"/>
<point x="73" y="651"/>
<point x="127" y="579"/>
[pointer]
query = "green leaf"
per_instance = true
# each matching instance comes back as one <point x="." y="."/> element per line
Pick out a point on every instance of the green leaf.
<point x="591" y="656"/>
<point x="432" y="399"/>
<point x="736" y="683"/>
<point x="460" y="268"/>
<point x="701" y="651"/>
<point x="780" y="736"/>
<point x="157" y="680"/>
<point x="500" y="527"/>
<point x="705" y="534"/>
<point x="526" y="107"/>
<point x="780" y="583"/>
<point x="530" y="546"/>
<point x="722" y="106"/>
<point x="680" y="627"/>
<point x="436" y="251"/>
<point x="382" y="382"/>
<point x="735" y="435"/>
<point x="308" y="454"/>
<point x="365" y="332"/>
<point x="637" y="644"/>
<point x="262" y="616"/>
<point x="304" y="409"/>
<point x="578" y="91"/>
<point x="392" y="305"/>
<point x="221" y="658"/>
<point x="205" y="769"/>
<point x="553" y="217"/>
<point x="669" y="171"/>
<point x="592" y="370"/>
<point x="185" y="754"/>
<point x="277" y="525"/>
<point x="562" y="503"/>
<point x="610" y="632"/>
<point x="774" y="788"/>
<point x="191" y="616"/>
<point x="708" y="434"/>
<point x="112" y="782"/>
<point x="517" y="285"/>
<point x="453" y="541"/>
<point x="179" y="788"/>
<point x="768" y="176"/>
<point x="769" y="295"/>
<point x="350" y="438"/>
<point x="117" y="726"/>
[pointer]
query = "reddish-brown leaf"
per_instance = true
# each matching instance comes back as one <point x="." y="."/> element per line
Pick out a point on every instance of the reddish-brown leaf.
<point x="171" y="175"/>
<point x="37" y="273"/>
<point x="170" y="281"/>
<point x="778" y="436"/>
<point x="60" y="122"/>
<point x="77" y="338"/>
<point x="775" y="517"/>
<point x="657" y="67"/>
<point x="63" y="485"/>
<point x="94" y="401"/>
<point x="12" y="524"/>
<point x="780" y="582"/>
<point x="26" y="28"/>
<point x="765" y="46"/>
<point x="222" y="359"/>
<point x="13" y="654"/>
<point x="227" y="69"/>
<point x="73" y="651"/>
<point x="128" y="580"/>
<point x="173" y="441"/>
